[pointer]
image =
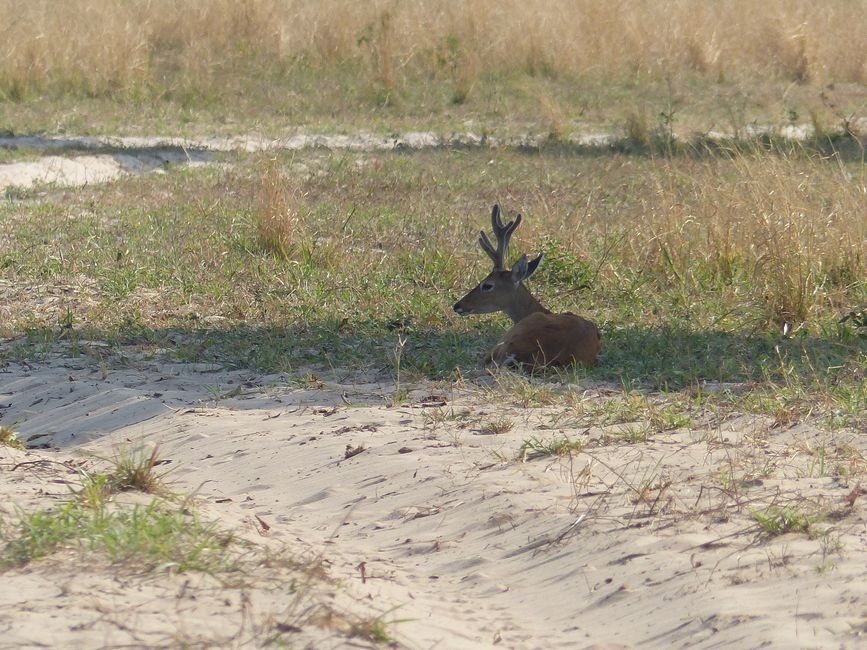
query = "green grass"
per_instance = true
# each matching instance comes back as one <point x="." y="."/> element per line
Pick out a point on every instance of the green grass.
<point x="96" y="529"/>
<point x="160" y="534"/>
<point x="732" y="249"/>
<point x="778" y="521"/>
<point x="501" y="104"/>
<point x="534" y="447"/>
<point x="9" y="438"/>
<point x="141" y="537"/>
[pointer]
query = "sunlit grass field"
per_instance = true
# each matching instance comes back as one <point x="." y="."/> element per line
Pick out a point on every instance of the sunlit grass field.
<point x="268" y="65"/>
<point x="699" y="269"/>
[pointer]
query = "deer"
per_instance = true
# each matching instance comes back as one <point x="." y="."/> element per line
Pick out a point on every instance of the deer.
<point x="538" y="337"/>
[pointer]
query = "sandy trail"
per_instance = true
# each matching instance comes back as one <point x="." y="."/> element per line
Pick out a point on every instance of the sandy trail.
<point x="81" y="160"/>
<point x="621" y="545"/>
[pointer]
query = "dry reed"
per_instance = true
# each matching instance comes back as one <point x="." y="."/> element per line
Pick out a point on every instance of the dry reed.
<point x="780" y="233"/>
<point x="103" y="47"/>
<point x="275" y="214"/>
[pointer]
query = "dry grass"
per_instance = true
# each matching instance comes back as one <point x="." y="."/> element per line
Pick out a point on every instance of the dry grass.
<point x="276" y="216"/>
<point x="793" y="233"/>
<point x="9" y="438"/>
<point x="100" y="46"/>
<point x="135" y="469"/>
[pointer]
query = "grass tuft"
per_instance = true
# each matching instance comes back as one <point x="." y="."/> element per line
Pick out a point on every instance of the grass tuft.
<point x="144" y="537"/>
<point x="778" y="521"/>
<point x="135" y="469"/>
<point x="534" y="447"/>
<point x="9" y="438"/>
<point x="276" y="214"/>
<point x="497" y="426"/>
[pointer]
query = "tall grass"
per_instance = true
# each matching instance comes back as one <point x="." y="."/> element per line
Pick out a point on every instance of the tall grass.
<point x="105" y="47"/>
<point x="787" y="236"/>
<point x="275" y="212"/>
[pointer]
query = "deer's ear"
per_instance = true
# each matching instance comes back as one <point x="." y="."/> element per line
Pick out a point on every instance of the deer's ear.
<point x="534" y="265"/>
<point x="524" y="269"/>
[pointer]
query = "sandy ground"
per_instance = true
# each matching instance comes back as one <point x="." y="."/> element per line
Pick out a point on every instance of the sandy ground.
<point x="435" y="526"/>
<point x="70" y="161"/>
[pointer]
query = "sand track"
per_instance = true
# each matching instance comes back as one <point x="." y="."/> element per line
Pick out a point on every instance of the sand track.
<point x="81" y="160"/>
<point x="469" y="548"/>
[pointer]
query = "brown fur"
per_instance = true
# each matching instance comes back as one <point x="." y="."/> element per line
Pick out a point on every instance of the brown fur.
<point x="538" y="337"/>
<point x="544" y="339"/>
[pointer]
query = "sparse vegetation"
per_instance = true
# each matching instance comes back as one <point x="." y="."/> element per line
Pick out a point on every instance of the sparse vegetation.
<point x="779" y="521"/>
<point x="141" y="537"/>
<point x="534" y="447"/>
<point x="374" y="629"/>
<point x="98" y="529"/>
<point x="496" y="426"/>
<point x="160" y="534"/>
<point x="9" y="438"/>
<point x="135" y="469"/>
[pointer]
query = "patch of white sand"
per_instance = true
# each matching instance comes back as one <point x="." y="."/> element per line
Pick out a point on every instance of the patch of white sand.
<point x="433" y="526"/>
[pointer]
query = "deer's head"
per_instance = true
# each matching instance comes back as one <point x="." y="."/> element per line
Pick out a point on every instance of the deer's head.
<point x="501" y="290"/>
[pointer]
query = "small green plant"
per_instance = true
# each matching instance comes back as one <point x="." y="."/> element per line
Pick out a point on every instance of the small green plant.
<point x="499" y="456"/>
<point x="632" y="434"/>
<point x="136" y="470"/>
<point x="537" y="448"/>
<point x="628" y="407"/>
<point x="399" y="396"/>
<point x="826" y="567"/>
<point x="375" y="630"/>
<point x="857" y="320"/>
<point x="436" y="417"/>
<point x="95" y="490"/>
<point x="9" y="438"/>
<point x="496" y="426"/>
<point x="818" y="463"/>
<point x="148" y="536"/>
<point x="728" y="480"/>
<point x="778" y="521"/>
<point x="563" y="266"/>
<point x="669" y="418"/>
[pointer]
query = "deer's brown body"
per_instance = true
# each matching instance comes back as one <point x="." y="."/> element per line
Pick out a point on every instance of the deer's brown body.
<point x="545" y="339"/>
<point x="538" y="337"/>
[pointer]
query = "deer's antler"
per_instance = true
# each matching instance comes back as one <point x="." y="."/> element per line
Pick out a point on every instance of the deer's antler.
<point x="502" y="233"/>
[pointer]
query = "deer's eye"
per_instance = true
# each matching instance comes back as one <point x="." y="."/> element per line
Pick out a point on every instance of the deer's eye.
<point x="487" y="286"/>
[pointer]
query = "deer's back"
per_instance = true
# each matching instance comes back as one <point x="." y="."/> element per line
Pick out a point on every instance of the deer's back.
<point x="543" y="339"/>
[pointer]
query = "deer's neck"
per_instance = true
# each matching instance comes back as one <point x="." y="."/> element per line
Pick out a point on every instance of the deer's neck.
<point x="524" y="305"/>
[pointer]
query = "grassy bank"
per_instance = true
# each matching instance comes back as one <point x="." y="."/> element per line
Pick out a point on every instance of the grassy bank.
<point x="747" y="267"/>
